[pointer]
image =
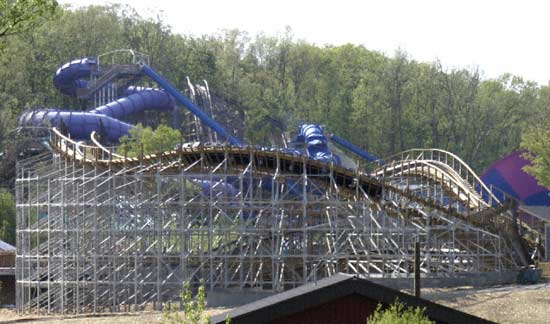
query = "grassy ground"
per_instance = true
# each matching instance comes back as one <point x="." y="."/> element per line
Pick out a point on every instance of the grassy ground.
<point x="506" y="305"/>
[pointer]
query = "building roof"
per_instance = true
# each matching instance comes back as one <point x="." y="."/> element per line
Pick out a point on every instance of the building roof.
<point x="330" y="289"/>
<point x="508" y="175"/>
<point x="6" y="247"/>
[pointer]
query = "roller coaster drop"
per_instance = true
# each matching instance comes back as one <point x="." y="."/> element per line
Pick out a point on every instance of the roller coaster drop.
<point x="100" y="231"/>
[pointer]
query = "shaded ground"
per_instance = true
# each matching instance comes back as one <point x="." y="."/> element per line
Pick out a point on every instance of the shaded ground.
<point x="506" y="305"/>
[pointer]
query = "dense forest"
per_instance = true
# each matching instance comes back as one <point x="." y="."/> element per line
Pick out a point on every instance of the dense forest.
<point x="385" y="104"/>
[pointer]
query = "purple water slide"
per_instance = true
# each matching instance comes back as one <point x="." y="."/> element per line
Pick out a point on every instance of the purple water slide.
<point x="70" y="76"/>
<point x="79" y="125"/>
<point x="103" y="119"/>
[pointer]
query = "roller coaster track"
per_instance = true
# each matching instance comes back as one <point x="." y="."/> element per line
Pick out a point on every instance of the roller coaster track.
<point x="445" y="168"/>
<point x="452" y="173"/>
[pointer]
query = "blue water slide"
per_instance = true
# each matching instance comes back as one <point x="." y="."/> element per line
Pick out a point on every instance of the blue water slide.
<point x="137" y="101"/>
<point x="316" y="143"/>
<point x="355" y="149"/>
<point x="69" y="77"/>
<point x="78" y="124"/>
<point x="179" y="97"/>
<point x="103" y="119"/>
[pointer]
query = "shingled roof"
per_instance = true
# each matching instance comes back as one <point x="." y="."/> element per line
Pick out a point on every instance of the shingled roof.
<point x="280" y="306"/>
<point x="6" y="247"/>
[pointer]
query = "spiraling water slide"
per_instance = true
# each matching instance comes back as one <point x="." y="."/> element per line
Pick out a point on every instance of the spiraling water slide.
<point x="104" y="119"/>
<point x="107" y="119"/>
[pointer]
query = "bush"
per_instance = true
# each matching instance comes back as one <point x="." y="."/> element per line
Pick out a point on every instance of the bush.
<point x="193" y="308"/>
<point x="161" y="139"/>
<point x="397" y="313"/>
<point x="7" y="216"/>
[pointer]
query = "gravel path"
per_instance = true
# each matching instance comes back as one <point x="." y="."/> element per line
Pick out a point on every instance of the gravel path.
<point x="508" y="304"/>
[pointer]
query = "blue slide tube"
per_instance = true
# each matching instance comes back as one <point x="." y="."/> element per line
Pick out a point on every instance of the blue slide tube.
<point x="70" y="76"/>
<point x="220" y="130"/>
<point x="79" y="124"/>
<point x="68" y="79"/>
<point x="316" y="143"/>
<point x="104" y="119"/>
<point x="137" y="102"/>
<point x="355" y="149"/>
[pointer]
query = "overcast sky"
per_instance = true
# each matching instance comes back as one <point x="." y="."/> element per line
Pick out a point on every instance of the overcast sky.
<point x="496" y="36"/>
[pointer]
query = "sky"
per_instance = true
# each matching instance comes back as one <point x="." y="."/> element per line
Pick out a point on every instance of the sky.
<point x="495" y="36"/>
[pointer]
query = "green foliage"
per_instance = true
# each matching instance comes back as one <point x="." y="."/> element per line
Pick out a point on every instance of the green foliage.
<point x="17" y="16"/>
<point x="536" y="140"/>
<point x="397" y="313"/>
<point x="193" y="308"/>
<point x="161" y="139"/>
<point x="7" y="216"/>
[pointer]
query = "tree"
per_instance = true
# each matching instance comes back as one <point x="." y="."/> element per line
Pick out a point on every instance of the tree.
<point x="536" y="140"/>
<point x="7" y="216"/>
<point x="17" y="16"/>
<point x="397" y="313"/>
<point x="161" y="139"/>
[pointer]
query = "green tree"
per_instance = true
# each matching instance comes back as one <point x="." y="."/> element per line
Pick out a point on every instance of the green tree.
<point x="504" y="108"/>
<point x="161" y="139"/>
<point x="17" y="16"/>
<point x="536" y="140"/>
<point x="7" y="216"/>
<point x="397" y="313"/>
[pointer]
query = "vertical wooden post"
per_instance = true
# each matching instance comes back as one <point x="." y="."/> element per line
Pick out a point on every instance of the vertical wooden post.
<point x="417" y="269"/>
